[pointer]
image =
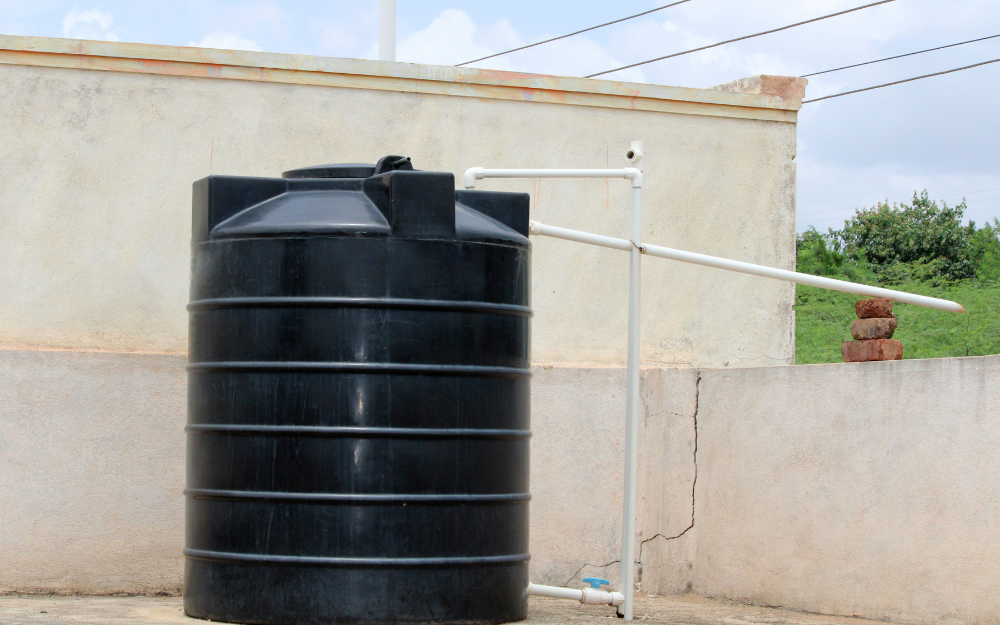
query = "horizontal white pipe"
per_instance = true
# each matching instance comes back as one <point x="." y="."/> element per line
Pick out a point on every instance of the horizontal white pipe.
<point x="478" y="173"/>
<point x="555" y="591"/>
<point x="587" y="596"/>
<point x="581" y="237"/>
<point x="741" y="267"/>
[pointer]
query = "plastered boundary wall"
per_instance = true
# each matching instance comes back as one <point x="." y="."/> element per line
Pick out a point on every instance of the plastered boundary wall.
<point x="858" y="489"/>
<point x="102" y="140"/>
<point x="869" y="490"/>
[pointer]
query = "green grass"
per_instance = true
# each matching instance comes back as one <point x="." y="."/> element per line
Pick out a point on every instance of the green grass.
<point x="823" y="321"/>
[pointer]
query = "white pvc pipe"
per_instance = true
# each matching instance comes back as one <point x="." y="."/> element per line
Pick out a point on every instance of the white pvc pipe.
<point x="387" y="30"/>
<point x="632" y="405"/>
<point x="634" y="156"/>
<point x="750" y="268"/>
<point x="478" y="173"/>
<point x="555" y="592"/>
<point x="636" y="249"/>
<point x="587" y="596"/>
<point x="633" y="174"/>
<point x="535" y="227"/>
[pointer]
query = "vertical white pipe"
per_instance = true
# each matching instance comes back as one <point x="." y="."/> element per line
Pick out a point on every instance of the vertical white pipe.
<point x="632" y="406"/>
<point x="387" y="30"/>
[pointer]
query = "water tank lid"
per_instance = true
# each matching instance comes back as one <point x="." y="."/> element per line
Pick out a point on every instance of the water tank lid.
<point x="352" y="170"/>
<point x="338" y="170"/>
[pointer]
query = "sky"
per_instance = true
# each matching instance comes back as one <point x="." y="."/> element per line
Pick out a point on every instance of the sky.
<point x="941" y="134"/>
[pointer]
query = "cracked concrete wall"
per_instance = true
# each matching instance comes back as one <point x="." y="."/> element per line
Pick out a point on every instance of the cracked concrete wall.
<point x="92" y="473"/>
<point x="95" y="204"/>
<point x="668" y="477"/>
<point x="852" y="489"/>
<point x="577" y="475"/>
<point x="856" y="489"/>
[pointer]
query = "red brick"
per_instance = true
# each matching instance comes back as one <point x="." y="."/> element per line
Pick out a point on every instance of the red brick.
<point x="879" y="328"/>
<point x="869" y="308"/>
<point x="875" y="349"/>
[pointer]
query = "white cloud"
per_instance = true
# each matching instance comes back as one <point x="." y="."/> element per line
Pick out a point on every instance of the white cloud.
<point x="89" y="24"/>
<point x="452" y="37"/>
<point x="226" y="41"/>
<point x="335" y="38"/>
<point x="260" y="14"/>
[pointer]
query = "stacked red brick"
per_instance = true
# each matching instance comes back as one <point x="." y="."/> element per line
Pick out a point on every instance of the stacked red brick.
<point x="872" y="332"/>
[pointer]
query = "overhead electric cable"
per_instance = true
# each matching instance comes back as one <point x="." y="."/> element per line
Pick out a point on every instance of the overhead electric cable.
<point x="899" y="56"/>
<point x="816" y="221"/>
<point x="532" y="45"/>
<point x="722" y="43"/>
<point x="971" y="192"/>
<point x="939" y="197"/>
<point x="832" y="210"/>
<point x="898" y="82"/>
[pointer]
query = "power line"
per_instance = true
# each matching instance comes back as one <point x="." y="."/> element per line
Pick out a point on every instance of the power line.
<point x="898" y="82"/>
<point x="816" y="221"/>
<point x="721" y="43"/>
<point x="532" y="45"/>
<point x="899" y="56"/>
<point x="938" y="197"/>
<point x="970" y="192"/>
<point x="832" y="210"/>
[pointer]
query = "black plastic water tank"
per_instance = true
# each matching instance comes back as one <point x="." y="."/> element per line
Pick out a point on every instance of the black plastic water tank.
<point x="358" y="399"/>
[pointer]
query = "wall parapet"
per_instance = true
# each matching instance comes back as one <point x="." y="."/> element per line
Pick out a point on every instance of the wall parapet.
<point x="303" y="69"/>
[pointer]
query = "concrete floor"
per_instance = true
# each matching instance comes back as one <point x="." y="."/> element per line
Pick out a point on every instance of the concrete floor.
<point x="685" y="609"/>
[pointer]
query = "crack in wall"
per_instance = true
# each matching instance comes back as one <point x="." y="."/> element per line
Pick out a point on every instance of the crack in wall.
<point x="694" y="486"/>
<point x="599" y="566"/>
<point x="694" y="482"/>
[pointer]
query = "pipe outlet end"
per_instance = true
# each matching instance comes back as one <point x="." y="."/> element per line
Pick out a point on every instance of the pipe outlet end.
<point x="634" y="154"/>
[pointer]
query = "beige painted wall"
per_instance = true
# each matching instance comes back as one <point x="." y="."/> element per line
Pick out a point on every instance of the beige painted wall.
<point x="97" y="170"/>
<point x="92" y="470"/>
<point x="853" y="489"/>
<point x="862" y="489"/>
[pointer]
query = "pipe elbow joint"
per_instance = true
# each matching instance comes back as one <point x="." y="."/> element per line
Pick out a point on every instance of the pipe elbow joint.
<point x="472" y="175"/>
<point x="634" y="175"/>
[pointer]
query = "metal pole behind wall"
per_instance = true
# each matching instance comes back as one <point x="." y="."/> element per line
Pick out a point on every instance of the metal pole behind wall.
<point x="387" y="30"/>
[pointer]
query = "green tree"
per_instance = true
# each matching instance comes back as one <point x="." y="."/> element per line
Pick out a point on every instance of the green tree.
<point x="984" y="249"/>
<point x="818" y="254"/>
<point x="919" y="241"/>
